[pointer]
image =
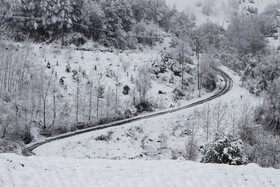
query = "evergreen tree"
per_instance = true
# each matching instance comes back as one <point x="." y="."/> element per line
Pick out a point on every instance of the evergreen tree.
<point x="58" y="16"/>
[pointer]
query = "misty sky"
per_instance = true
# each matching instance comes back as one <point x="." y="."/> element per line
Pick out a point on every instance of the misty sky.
<point x="181" y="4"/>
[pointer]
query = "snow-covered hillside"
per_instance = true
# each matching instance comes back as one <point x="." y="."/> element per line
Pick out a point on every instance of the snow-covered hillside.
<point x="54" y="172"/>
<point x="92" y="84"/>
<point x="113" y="70"/>
<point x="219" y="11"/>
<point x="163" y="137"/>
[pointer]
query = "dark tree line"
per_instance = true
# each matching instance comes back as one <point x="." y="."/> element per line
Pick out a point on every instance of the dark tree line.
<point x="112" y="23"/>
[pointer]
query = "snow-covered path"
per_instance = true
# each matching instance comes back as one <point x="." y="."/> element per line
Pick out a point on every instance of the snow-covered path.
<point x="225" y="88"/>
<point x="39" y="171"/>
<point x="143" y="139"/>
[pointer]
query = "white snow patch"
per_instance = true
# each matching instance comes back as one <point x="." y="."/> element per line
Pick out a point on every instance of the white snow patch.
<point x="38" y="171"/>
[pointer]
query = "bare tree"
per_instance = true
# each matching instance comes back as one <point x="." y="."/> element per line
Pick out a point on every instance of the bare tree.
<point x="125" y="65"/>
<point x="143" y="82"/>
<point x="100" y="94"/>
<point x="191" y="146"/>
<point x="246" y="115"/>
<point x="54" y="95"/>
<point x="182" y="62"/>
<point x="219" y="114"/>
<point x="233" y="116"/>
<point x="206" y="117"/>
<point x="44" y="93"/>
<point x="90" y="96"/>
<point x="117" y="85"/>
<point x="109" y="95"/>
<point x="78" y="80"/>
<point x="198" y="49"/>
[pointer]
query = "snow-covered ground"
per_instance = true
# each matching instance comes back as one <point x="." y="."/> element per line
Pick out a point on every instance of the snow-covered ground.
<point x="114" y="69"/>
<point x="144" y="153"/>
<point x="57" y="172"/>
<point x="162" y="137"/>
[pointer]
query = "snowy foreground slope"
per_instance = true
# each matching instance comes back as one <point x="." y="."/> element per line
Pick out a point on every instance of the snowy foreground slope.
<point x="38" y="171"/>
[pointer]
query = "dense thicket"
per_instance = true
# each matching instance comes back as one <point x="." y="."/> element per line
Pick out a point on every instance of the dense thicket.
<point x="247" y="51"/>
<point x="119" y="23"/>
<point x="246" y="37"/>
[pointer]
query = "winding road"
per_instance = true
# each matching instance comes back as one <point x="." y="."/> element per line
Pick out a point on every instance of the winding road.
<point x="227" y="85"/>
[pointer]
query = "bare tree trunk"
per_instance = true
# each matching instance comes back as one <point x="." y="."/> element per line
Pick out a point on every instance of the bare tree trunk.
<point x="4" y="132"/>
<point x="97" y="107"/>
<point x="197" y="51"/>
<point x="97" y="98"/>
<point x="62" y="32"/>
<point x="220" y="112"/>
<point x="208" y="121"/>
<point x="44" y="114"/>
<point x="116" y="98"/>
<point x="44" y="95"/>
<point x="77" y="100"/>
<point x="198" y="76"/>
<point x="182" y="61"/>
<point x="54" y="105"/>
<point x="90" y="101"/>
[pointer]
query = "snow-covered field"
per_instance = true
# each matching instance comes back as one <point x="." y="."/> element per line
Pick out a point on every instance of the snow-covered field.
<point x="55" y="172"/>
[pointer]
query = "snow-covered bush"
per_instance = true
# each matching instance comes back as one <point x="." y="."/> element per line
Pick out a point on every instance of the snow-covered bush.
<point x="110" y="73"/>
<point x="144" y="30"/>
<point x="178" y="94"/>
<point x="75" y="38"/>
<point x="159" y="67"/>
<point x="68" y="68"/>
<point x="245" y="35"/>
<point x="209" y="81"/>
<point x="175" y="67"/>
<point x="181" y="131"/>
<point x="268" y="113"/>
<point x="126" y="90"/>
<point x="7" y="146"/>
<point x="252" y="10"/>
<point x="224" y="150"/>
<point x="106" y="137"/>
<point x="144" y="106"/>
<point x="48" y="65"/>
<point x="262" y="147"/>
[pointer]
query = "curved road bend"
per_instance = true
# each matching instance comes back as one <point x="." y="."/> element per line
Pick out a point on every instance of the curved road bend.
<point x="228" y="83"/>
